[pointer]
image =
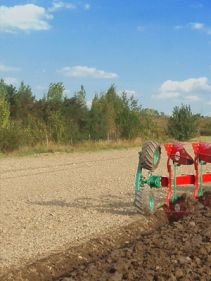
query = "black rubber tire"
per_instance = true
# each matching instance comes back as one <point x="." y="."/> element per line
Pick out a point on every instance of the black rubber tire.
<point x="141" y="202"/>
<point x="147" y="155"/>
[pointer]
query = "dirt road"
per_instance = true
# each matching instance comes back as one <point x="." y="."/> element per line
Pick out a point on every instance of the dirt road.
<point x="49" y="202"/>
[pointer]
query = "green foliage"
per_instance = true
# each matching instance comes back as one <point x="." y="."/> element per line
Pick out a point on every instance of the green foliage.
<point x="76" y="117"/>
<point x="12" y="137"/>
<point x="111" y="108"/>
<point x="128" y="118"/>
<point x="182" y="124"/>
<point x="58" y="119"/>
<point x="205" y="126"/>
<point x="23" y="102"/>
<point x="56" y="92"/>
<point x="4" y="112"/>
<point x="56" y="126"/>
<point x="97" y="119"/>
<point x="154" y="125"/>
<point x="4" y="105"/>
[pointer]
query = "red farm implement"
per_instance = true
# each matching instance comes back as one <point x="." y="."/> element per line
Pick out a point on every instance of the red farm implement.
<point x="149" y="159"/>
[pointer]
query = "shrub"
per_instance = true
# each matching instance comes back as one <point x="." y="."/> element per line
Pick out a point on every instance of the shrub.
<point x="12" y="137"/>
<point x="182" y="125"/>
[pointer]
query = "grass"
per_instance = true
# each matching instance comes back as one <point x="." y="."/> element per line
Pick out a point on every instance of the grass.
<point x="85" y="146"/>
<point x="202" y="138"/>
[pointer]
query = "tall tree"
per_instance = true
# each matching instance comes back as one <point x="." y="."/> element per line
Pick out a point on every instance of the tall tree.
<point x="76" y="116"/>
<point x="56" y="92"/>
<point x="183" y="124"/>
<point x="4" y="112"/>
<point x="128" y="119"/>
<point x="111" y="108"/>
<point x="97" y="119"/>
<point x="24" y="102"/>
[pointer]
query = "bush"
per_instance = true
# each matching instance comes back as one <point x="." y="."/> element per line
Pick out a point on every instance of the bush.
<point x="183" y="125"/>
<point x="12" y="137"/>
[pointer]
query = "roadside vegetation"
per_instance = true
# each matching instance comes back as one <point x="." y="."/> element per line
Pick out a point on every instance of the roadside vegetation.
<point x="60" y="123"/>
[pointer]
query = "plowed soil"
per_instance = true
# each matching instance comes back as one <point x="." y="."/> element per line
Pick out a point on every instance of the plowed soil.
<point x="177" y="251"/>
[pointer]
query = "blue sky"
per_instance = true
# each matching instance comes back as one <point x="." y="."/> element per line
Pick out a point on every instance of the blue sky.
<point x="158" y="50"/>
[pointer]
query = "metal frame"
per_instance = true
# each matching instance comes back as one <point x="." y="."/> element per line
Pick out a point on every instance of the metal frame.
<point x="197" y="179"/>
<point x="177" y="155"/>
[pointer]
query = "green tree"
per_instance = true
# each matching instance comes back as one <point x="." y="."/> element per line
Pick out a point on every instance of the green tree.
<point x="24" y="103"/>
<point x="153" y="124"/>
<point x="9" y="92"/>
<point x="4" y="105"/>
<point x="128" y="118"/>
<point x="205" y="125"/>
<point x="76" y="116"/>
<point x="4" y="112"/>
<point x="56" y="92"/>
<point x="183" y="125"/>
<point x="97" y="119"/>
<point x="103" y="115"/>
<point x="50" y="112"/>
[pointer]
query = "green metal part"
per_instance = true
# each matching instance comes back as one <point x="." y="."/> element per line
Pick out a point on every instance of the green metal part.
<point x="140" y="180"/>
<point x="151" y="203"/>
<point x="138" y="177"/>
<point x="201" y="190"/>
<point x="154" y="181"/>
<point x="150" y="180"/>
<point x="156" y="156"/>
<point x="174" y="196"/>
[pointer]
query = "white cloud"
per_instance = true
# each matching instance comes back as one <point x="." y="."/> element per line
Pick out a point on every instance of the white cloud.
<point x="200" y="26"/>
<point x="6" y="68"/>
<point x="167" y="95"/>
<point x="87" y="7"/>
<point x="193" y="98"/>
<point x="24" y="17"/>
<point x="189" y="85"/>
<point x="58" y="5"/>
<point x="209" y="102"/>
<point x="187" y="90"/>
<point x="197" y="25"/>
<point x="10" y="80"/>
<point x="85" y="71"/>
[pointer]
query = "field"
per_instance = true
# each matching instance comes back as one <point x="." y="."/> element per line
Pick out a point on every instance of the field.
<point x="71" y="217"/>
<point x="181" y="251"/>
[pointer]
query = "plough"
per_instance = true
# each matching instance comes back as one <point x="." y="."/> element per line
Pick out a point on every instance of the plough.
<point x="149" y="159"/>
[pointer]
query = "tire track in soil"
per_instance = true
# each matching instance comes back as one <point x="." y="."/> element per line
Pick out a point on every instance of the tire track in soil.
<point x="54" y="168"/>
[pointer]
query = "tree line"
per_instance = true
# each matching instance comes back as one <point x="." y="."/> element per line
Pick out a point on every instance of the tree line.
<point x="27" y="121"/>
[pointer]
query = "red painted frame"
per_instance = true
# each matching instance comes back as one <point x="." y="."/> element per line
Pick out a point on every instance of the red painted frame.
<point x="177" y="153"/>
<point x="185" y="179"/>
